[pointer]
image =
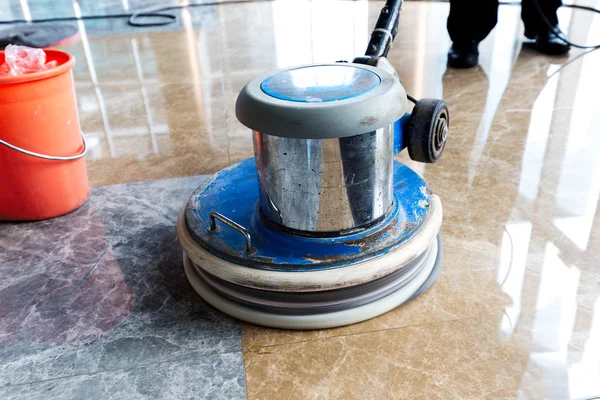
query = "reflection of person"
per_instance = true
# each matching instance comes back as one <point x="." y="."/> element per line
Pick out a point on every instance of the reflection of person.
<point x="470" y="21"/>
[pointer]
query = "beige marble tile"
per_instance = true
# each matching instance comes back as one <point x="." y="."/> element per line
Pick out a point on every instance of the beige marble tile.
<point x="459" y="359"/>
<point x="463" y="359"/>
<point x="170" y="132"/>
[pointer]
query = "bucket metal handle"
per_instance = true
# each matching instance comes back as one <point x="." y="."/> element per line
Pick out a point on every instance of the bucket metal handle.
<point x="47" y="157"/>
<point x="213" y="228"/>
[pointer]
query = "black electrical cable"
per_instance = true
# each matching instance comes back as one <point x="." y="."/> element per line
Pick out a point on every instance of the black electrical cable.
<point x="560" y="34"/>
<point x="168" y="18"/>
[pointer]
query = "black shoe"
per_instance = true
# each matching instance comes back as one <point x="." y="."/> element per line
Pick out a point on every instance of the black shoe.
<point x="548" y="42"/>
<point x="463" y="55"/>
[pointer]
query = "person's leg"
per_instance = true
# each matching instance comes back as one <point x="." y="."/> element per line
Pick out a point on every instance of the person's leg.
<point x="546" y="40"/>
<point x="469" y="22"/>
<point x="531" y="16"/>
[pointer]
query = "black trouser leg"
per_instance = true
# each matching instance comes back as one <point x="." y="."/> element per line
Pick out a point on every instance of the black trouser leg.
<point x="471" y="20"/>
<point x="531" y="17"/>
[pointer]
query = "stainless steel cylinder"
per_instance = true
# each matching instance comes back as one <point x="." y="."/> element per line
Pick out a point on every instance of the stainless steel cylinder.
<point x="326" y="185"/>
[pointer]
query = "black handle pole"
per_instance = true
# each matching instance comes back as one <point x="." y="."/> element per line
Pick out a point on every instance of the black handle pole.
<point x="385" y="29"/>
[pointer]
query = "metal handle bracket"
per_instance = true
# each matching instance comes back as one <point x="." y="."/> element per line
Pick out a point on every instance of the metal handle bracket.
<point x="232" y="224"/>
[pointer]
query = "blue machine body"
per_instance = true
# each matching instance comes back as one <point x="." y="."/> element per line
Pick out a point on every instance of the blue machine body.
<point x="400" y="127"/>
<point x="233" y="192"/>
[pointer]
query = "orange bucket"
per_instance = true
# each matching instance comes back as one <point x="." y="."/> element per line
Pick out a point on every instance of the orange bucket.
<point x="42" y="168"/>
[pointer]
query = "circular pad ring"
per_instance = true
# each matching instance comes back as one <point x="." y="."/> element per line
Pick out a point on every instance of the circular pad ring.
<point x="323" y="320"/>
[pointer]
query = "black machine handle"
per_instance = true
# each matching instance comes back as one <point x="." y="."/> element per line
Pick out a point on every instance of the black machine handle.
<point x="427" y="127"/>
<point x="385" y="29"/>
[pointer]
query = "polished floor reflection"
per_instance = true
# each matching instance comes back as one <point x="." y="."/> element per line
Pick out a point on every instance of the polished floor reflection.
<point x="160" y="104"/>
<point x="516" y="310"/>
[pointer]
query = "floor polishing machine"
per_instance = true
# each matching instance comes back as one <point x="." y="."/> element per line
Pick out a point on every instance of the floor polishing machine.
<point x="322" y="228"/>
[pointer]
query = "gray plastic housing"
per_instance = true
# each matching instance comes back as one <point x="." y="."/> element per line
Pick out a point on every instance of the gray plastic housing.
<point x="366" y="112"/>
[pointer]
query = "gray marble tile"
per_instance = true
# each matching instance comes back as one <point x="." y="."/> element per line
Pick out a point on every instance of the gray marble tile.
<point x="212" y="377"/>
<point x="103" y="288"/>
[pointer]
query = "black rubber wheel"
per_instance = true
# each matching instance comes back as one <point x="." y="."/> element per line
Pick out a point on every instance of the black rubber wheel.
<point x="428" y="130"/>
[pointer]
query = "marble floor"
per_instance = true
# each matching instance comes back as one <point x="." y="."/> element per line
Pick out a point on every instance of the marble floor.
<point x="95" y="304"/>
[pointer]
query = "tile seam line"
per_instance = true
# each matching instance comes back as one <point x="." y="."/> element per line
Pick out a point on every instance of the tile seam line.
<point x="250" y="350"/>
